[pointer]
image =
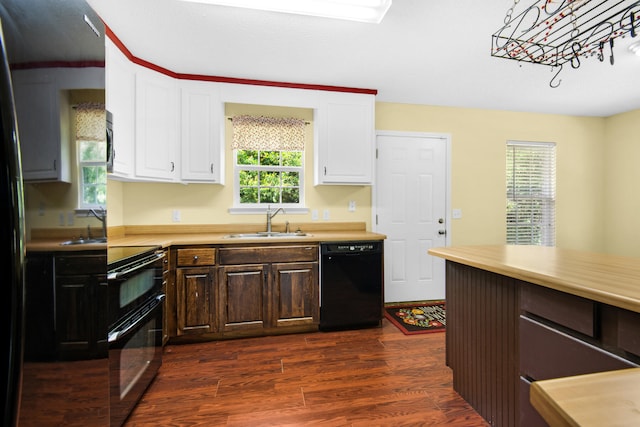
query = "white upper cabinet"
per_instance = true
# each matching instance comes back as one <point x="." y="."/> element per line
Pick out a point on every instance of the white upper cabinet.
<point x="157" y="155"/>
<point x="345" y="146"/>
<point x="172" y="130"/>
<point x="43" y="112"/>
<point x="120" y="101"/>
<point x="45" y="156"/>
<point x="201" y="132"/>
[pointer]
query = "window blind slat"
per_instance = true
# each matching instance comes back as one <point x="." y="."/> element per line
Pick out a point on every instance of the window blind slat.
<point x="531" y="193"/>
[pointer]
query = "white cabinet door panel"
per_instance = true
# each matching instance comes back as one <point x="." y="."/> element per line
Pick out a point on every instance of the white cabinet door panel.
<point x="202" y="146"/>
<point x="120" y="101"/>
<point x="346" y="145"/>
<point x="156" y="147"/>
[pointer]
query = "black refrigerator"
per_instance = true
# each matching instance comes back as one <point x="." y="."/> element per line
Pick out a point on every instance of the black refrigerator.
<point x="12" y="224"/>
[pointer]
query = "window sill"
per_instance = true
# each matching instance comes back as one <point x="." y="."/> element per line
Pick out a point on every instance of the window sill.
<point x="262" y="211"/>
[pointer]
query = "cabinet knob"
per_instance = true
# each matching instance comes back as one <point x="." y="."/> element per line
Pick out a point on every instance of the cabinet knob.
<point x="195" y="257"/>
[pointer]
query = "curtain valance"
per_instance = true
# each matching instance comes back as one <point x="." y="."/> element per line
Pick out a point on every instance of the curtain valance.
<point x="268" y="133"/>
<point x="90" y="122"/>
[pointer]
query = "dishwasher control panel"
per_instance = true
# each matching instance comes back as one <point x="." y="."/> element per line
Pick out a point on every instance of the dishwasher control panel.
<point x="349" y="247"/>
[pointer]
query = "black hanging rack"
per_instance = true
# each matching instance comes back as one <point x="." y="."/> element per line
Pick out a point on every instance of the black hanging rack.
<point x="556" y="32"/>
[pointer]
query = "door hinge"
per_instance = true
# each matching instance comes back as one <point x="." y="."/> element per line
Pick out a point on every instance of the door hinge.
<point x="376" y="153"/>
<point x="376" y="219"/>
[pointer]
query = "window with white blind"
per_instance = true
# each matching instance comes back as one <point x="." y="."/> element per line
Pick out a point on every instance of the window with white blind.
<point x="531" y="192"/>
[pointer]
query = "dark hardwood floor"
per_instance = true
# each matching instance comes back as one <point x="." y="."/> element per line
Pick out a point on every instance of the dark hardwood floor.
<point x="368" y="377"/>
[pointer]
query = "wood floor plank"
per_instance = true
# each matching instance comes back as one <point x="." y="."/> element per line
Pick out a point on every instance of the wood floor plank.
<point x="368" y="377"/>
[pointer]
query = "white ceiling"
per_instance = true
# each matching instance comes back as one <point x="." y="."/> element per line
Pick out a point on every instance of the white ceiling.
<point x="433" y="52"/>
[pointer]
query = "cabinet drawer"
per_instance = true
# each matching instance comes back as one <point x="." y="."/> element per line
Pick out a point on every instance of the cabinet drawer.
<point x="196" y="256"/>
<point x="547" y="353"/>
<point x="81" y="264"/>
<point x="268" y="254"/>
<point x="564" y="309"/>
<point x="629" y="331"/>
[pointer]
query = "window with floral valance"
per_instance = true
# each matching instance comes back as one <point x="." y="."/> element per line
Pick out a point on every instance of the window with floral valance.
<point x="268" y="153"/>
<point x="91" y="149"/>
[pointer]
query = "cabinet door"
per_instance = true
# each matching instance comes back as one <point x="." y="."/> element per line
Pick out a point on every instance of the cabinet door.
<point x="156" y="147"/>
<point x="195" y="299"/>
<point x="37" y="111"/>
<point x="345" y="148"/>
<point x="73" y="309"/>
<point x="243" y="301"/>
<point x="295" y="294"/>
<point x="39" y="337"/>
<point x="202" y="150"/>
<point x="120" y="101"/>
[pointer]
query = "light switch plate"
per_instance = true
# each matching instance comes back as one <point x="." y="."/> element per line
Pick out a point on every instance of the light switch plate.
<point x="456" y="214"/>
<point x="325" y="215"/>
<point x="176" y="215"/>
<point x="314" y="215"/>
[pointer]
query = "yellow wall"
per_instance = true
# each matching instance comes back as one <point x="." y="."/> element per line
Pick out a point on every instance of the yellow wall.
<point x="478" y="139"/>
<point x="622" y="178"/>
<point x="153" y="204"/>
<point x="597" y="203"/>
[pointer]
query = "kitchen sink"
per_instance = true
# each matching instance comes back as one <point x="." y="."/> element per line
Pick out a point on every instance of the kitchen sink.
<point x="84" y="241"/>
<point x="266" y="234"/>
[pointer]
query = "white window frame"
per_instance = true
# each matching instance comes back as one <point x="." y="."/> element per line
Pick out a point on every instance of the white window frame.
<point x="82" y="206"/>
<point x="536" y="180"/>
<point x="249" y="208"/>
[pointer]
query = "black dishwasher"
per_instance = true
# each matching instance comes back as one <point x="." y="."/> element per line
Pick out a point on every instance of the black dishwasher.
<point x="351" y="279"/>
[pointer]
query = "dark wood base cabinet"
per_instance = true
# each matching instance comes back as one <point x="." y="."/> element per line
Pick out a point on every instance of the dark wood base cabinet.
<point x="66" y="312"/>
<point x="241" y="291"/>
<point x="503" y="334"/>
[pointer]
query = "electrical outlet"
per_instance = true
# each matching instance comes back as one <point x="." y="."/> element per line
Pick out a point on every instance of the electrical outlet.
<point x="325" y="215"/>
<point x="352" y="205"/>
<point x="61" y="219"/>
<point x="456" y="214"/>
<point x="70" y="218"/>
<point x="314" y="215"/>
<point x="176" y="215"/>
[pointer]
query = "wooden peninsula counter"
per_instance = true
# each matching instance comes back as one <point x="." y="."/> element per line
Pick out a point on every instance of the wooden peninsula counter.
<point x="517" y="315"/>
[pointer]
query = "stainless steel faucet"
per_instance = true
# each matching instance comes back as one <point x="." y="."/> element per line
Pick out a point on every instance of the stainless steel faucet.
<point x="102" y="217"/>
<point x="271" y="215"/>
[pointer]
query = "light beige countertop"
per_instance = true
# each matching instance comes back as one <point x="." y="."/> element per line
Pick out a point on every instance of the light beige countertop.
<point x="598" y="400"/>
<point x="211" y="234"/>
<point x="609" y="279"/>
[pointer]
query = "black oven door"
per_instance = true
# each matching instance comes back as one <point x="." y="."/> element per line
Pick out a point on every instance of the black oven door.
<point x="131" y="286"/>
<point x="135" y="355"/>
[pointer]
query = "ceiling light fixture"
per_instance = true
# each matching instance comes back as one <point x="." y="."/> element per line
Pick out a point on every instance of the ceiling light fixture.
<point x="371" y="11"/>
<point x="635" y="48"/>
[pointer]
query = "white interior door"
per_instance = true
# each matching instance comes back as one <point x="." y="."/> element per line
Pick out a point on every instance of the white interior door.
<point x="411" y="209"/>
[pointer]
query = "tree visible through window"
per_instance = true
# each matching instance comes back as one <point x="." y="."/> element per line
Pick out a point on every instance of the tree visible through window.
<point x="269" y="177"/>
<point x="531" y="188"/>
<point x="91" y="148"/>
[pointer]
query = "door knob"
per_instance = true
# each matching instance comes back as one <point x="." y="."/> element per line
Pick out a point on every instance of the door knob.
<point x="442" y="232"/>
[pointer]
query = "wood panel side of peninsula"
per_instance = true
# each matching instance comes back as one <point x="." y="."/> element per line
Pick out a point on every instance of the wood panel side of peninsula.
<point x="521" y="314"/>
